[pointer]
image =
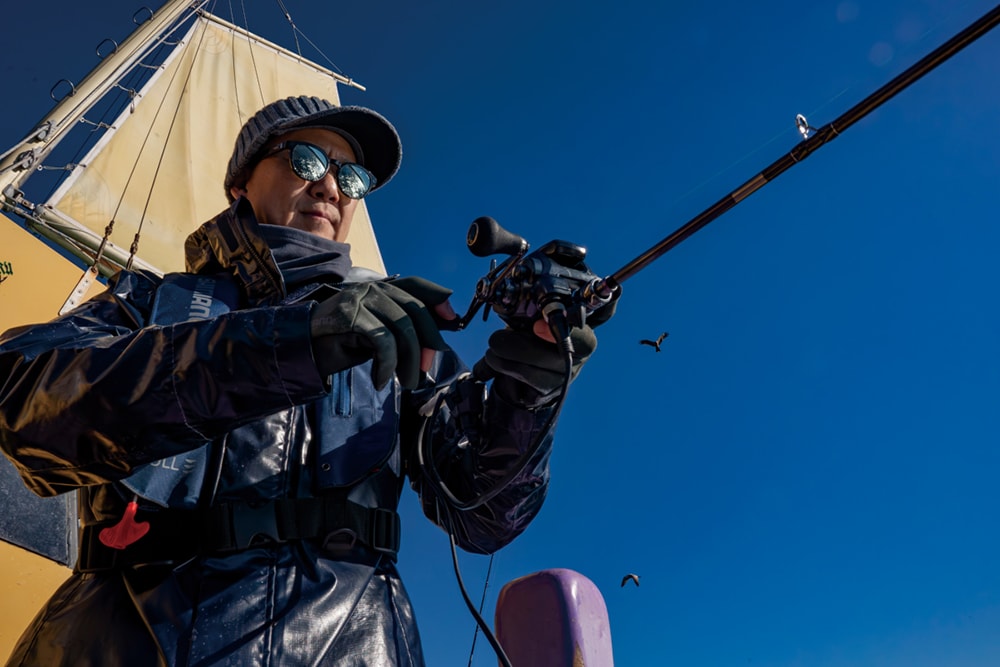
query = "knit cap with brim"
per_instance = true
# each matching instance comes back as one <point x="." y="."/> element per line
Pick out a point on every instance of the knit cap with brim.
<point x="374" y="140"/>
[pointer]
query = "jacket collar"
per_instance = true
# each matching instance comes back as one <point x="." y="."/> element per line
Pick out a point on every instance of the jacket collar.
<point x="231" y="243"/>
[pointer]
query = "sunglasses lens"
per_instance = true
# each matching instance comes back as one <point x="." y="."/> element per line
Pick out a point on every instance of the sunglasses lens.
<point x="354" y="180"/>
<point x="312" y="164"/>
<point x="309" y="162"/>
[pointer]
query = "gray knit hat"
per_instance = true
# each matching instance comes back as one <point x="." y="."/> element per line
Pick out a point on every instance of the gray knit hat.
<point x="374" y="140"/>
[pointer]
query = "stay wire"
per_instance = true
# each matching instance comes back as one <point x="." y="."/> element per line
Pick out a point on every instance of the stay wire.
<point x="295" y="30"/>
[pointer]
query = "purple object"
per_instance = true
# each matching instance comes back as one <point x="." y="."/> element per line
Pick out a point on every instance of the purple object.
<point x="554" y="618"/>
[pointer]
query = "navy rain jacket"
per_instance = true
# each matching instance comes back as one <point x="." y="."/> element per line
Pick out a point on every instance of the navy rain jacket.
<point x="222" y="407"/>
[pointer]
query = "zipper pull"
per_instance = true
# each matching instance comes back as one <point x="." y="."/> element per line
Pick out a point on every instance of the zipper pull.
<point x="126" y="531"/>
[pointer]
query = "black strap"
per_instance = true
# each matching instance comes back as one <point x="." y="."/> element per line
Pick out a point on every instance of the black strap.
<point x="177" y="535"/>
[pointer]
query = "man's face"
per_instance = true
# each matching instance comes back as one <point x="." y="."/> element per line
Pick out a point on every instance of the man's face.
<point x="279" y="197"/>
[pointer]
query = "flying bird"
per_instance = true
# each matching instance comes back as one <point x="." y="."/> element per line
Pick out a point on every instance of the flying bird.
<point x="654" y="343"/>
<point x="633" y="577"/>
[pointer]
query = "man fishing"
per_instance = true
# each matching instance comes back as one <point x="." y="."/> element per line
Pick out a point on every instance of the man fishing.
<point x="240" y="434"/>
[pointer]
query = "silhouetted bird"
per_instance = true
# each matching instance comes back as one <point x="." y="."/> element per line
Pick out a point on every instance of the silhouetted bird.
<point x="633" y="577"/>
<point x="654" y="343"/>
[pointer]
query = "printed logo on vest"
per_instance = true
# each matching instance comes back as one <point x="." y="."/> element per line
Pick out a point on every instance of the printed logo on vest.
<point x="201" y="299"/>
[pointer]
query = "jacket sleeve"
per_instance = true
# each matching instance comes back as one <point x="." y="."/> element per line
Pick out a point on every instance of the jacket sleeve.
<point x="467" y="443"/>
<point x="88" y="396"/>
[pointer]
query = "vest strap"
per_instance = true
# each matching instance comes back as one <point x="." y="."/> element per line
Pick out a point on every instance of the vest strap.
<point x="177" y="535"/>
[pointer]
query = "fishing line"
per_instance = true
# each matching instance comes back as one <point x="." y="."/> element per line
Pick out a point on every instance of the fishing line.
<point x="448" y="502"/>
<point x="490" y="637"/>
<point x="780" y="134"/>
<point x="442" y="490"/>
<point x="482" y="603"/>
<point x="908" y="49"/>
<point x="806" y="147"/>
<point x="332" y="641"/>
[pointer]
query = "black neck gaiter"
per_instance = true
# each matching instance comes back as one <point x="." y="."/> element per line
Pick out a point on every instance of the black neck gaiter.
<point x="305" y="258"/>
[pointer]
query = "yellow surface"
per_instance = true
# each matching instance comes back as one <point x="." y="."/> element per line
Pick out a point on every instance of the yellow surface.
<point x="27" y="581"/>
<point x="35" y="282"/>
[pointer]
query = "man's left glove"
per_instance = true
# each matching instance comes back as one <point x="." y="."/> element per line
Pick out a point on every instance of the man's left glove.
<point x="432" y="295"/>
<point x="373" y="320"/>
<point x="528" y="370"/>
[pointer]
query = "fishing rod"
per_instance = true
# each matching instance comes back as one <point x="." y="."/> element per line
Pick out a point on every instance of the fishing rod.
<point x="554" y="282"/>
<point x="525" y="286"/>
<point x="809" y="144"/>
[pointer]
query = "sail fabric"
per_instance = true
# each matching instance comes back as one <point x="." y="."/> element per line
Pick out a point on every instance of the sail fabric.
<point x="168" y="151"/>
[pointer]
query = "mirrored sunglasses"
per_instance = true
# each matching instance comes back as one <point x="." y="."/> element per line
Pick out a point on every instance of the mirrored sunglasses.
<point x="311" y="163"/>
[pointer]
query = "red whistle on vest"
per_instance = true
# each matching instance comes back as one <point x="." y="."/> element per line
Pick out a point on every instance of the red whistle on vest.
<point x="126" y="531"/>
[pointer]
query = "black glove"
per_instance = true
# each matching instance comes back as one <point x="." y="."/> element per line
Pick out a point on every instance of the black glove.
<point x="528" y="370"/>
<point x="431" y="294"/>
<point x="373" y="320"/>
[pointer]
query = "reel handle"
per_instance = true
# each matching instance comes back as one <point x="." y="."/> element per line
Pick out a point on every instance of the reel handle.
<point x="486" y="237"/>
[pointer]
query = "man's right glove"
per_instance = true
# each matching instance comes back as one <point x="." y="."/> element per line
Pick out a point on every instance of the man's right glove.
<point x="373" y="320"/>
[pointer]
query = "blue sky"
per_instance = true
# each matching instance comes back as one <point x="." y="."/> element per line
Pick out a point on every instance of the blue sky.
<point x="805" y="475"/>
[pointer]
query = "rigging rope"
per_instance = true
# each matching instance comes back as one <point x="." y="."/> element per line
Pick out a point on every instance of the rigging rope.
<point x="298" y="48"/>
<point x="295" y="30"/>
<point x="134" y="248"/>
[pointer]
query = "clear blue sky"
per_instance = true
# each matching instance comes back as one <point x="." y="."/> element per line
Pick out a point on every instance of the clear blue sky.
<point x="806" y="474"/>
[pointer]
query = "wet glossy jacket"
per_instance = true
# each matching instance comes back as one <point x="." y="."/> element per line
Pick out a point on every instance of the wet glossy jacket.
<point x="116" y="403"/>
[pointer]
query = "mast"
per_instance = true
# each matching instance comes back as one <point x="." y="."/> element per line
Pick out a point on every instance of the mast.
<point x="15" y="166"/>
